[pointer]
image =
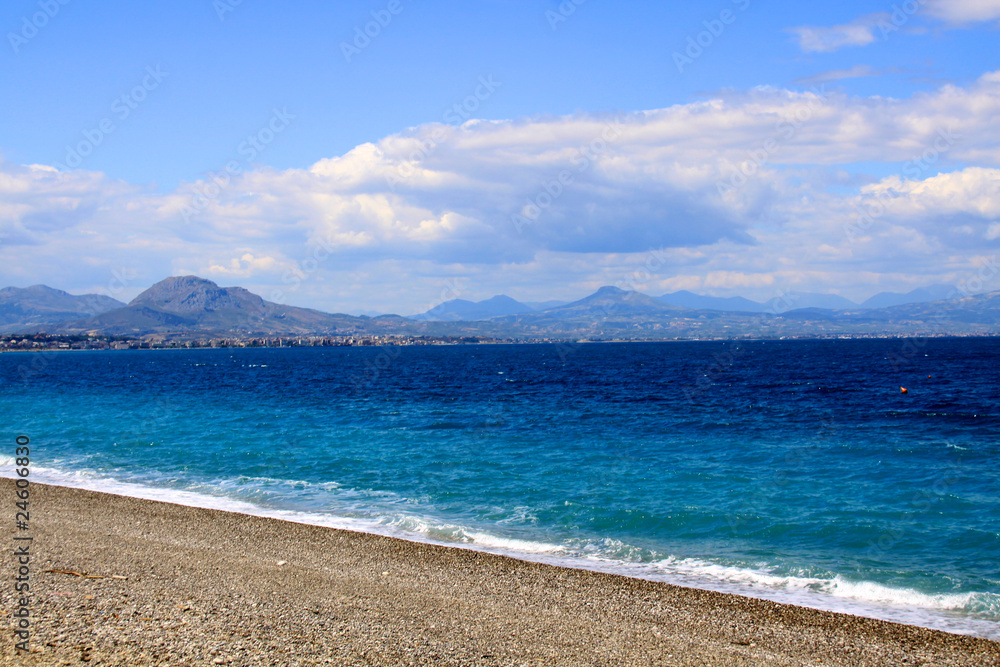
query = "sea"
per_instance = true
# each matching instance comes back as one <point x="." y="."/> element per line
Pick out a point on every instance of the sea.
<point x="794" y="471"/>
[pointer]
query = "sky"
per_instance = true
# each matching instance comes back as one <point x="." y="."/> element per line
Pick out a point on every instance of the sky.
<point x="388" y="155"/>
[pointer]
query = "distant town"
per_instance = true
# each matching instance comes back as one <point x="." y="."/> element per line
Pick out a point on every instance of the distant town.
<point x="42" y="342"/>
<point x="49" y="342"/>
<point x="191" y="312"/>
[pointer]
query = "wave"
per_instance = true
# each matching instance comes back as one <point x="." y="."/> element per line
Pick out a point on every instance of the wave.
<point x="974" y="613"/>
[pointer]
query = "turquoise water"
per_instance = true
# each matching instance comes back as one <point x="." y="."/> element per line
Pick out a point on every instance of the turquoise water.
<point x="789" y="470"/>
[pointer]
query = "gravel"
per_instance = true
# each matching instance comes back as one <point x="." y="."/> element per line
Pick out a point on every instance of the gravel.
<point x="189" y="586"/>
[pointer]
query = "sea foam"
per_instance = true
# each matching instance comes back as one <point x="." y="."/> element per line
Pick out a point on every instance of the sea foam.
<point x="968" y="613"/>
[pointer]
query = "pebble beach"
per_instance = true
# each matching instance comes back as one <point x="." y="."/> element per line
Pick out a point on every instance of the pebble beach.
<point x="124" y="581"/>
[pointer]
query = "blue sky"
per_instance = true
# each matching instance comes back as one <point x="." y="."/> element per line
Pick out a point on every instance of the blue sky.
<point x="354" y="182"/>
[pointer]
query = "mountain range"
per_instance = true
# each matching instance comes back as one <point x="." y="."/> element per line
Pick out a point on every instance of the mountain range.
<point x="460" y="309"/>
<point x="501" y="305"/>
<point x="40" y="307"/>
<point x="189" y="306"/>
<point x="193" y="305"/>
<point x="887" y="299"/>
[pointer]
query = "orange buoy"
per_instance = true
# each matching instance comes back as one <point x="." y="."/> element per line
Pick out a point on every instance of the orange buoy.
<point x="902" y="390"/>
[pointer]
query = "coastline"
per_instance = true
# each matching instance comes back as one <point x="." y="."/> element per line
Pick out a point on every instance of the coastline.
<point x="214" y="587"/>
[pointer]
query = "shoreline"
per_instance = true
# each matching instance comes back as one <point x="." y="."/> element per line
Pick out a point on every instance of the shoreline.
<point x="522" y="341"/>
<point x="915" y="616"/>
<point x="215" y="587"/>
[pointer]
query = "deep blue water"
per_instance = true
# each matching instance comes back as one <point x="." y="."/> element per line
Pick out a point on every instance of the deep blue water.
<point x="792" y="470"/>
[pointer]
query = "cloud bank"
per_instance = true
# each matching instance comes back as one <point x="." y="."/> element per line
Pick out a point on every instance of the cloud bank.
<point x="749" y="191"/>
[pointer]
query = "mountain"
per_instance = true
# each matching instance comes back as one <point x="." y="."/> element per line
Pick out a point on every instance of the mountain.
<point x="37" y="307"/>
<point x="739" y="304"/>
<point x="921" y="294"/>
<point x="729" y="304"/>
<point x="193" y="305"/>
<point x="462" y="310"/>
<point x="799" y="300"/>
<point x="813" y="314"/>
<point x="544" y="305"/>
<point x="605" y="312"/>
<point x="613" y="301"/>
<point x="614" y="313"/>
<point x="979" y="311"/>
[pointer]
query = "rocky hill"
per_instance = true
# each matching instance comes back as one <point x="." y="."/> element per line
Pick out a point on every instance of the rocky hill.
<point x="189" y="304"/>
<point x="39" y="307"/>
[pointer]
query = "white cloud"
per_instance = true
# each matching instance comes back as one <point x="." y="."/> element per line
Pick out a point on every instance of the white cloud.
<point x="856" y="72"/>
<point x="819" y="39"/>
<point x="961" y="208"/>
<point x="406" y="214"/>
<point x="964" y="11"/>
<point x="244" y="266"/>
<point x="867" y="29"/>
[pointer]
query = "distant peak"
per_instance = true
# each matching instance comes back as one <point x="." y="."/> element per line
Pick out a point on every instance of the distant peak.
<point x="500" y="298"/>
<point x="610" y="289"/>
<point x="186" y="280"/>
<point x="184" y="294"/>
<point x="33" y="289"/>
